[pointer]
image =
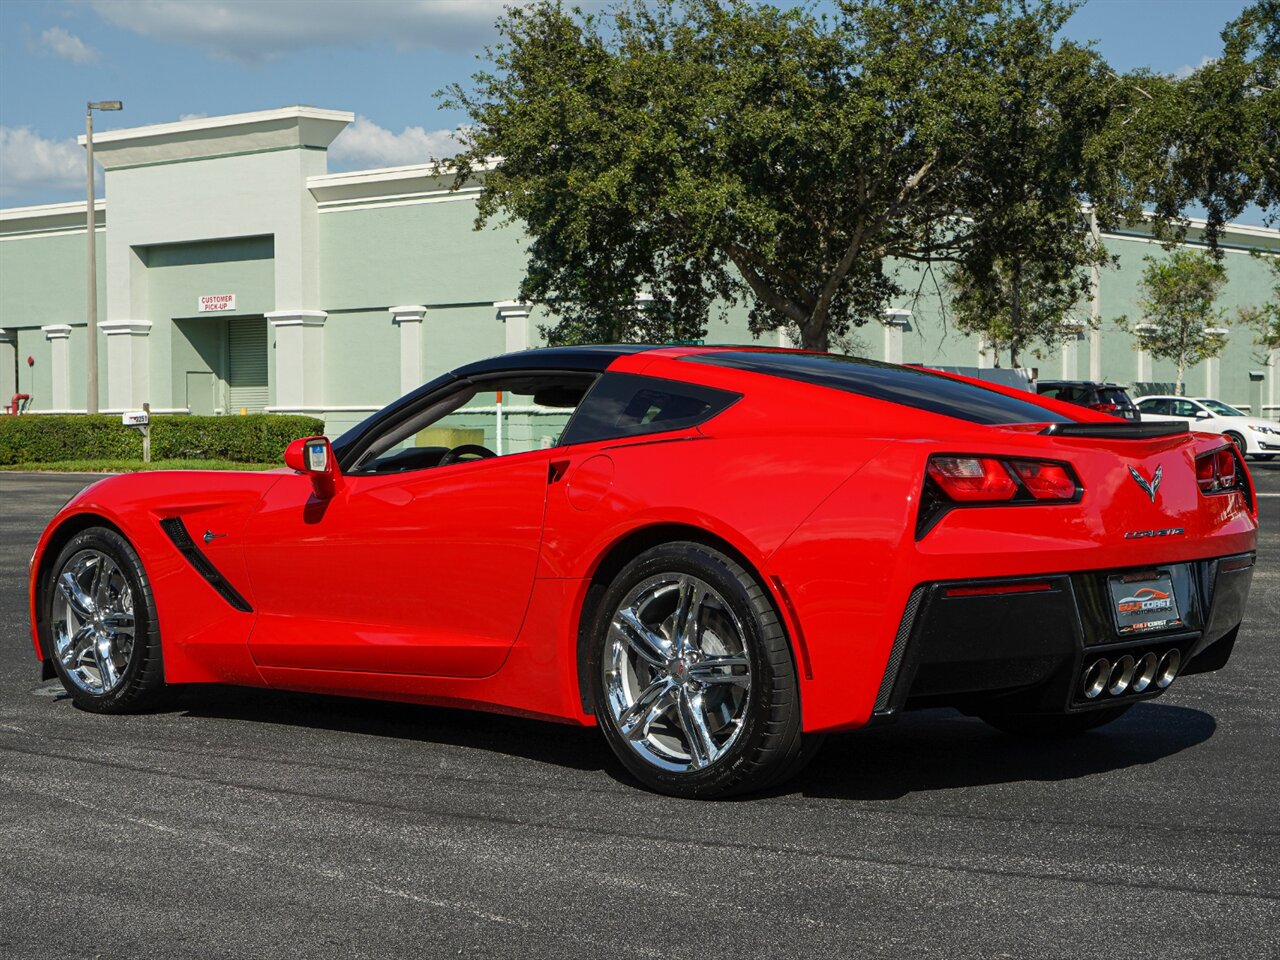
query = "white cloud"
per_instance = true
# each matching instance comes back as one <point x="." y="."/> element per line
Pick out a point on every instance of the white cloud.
<point x="30" y="164"/>
<point x="1188" y="69"/>
<point x="250" y="31"/>
<point x="365" y="144"/>
<point x="68" y="46"/>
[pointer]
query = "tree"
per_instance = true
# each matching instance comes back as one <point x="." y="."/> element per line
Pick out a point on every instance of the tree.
<point x="1177" y="300"/>
<point x="1052" y="145"/>
<point x="1264" y="321"/>
<point x="715" y="151"/>
<point x="1213" y="137"/>
<point x="1017" y="304"/>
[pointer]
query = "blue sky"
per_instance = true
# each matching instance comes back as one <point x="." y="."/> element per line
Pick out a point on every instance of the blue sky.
<point x="381" y="59"/>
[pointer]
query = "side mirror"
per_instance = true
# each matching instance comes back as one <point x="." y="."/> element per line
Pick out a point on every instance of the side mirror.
<point x="1203" y="414"/>
<point x="314" y="457"/>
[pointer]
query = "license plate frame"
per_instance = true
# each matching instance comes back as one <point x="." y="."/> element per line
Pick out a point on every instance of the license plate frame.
<point x="1144" y="603"/>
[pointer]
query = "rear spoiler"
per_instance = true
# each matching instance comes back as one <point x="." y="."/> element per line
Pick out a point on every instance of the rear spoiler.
<point x="1120" y="430"/>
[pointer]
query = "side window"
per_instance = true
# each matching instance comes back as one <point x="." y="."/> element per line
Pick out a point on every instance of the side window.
<point x="1158" y="407"/>
<point x="626" y="405"/>
<point x="499" y="416"/>
<point x="1053" y="393"/>
<point x="1184" y="408"/>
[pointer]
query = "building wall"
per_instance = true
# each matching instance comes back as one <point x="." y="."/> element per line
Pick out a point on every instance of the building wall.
<point x="375" y="281"/>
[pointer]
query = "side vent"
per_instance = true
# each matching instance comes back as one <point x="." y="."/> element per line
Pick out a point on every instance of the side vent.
<point x="176" y="530"/>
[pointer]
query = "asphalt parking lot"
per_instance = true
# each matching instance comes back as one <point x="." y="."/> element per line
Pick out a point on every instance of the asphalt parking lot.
<point x="258" y="824"/>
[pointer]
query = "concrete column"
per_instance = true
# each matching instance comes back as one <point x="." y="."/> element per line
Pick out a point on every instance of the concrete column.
<point x="784" y="339"/>
<point x="1144" y="367"/>
<point x="895" y="322"/>
<point x="1071" y="350"/>
<point x="299" y="358"/>
<point x="409" y="320"/>
<point x="8" y="365"/>
<point x="1210" y="377"/>
<point x="1069" y="358"/>
<point x="515" y="316"/>
<point x="1211" y="365"/>
<point x="1271" y="409"/>
<point x="128" y="363"/>
<point x="986" y="355"/>
<point x="1144" y="356"/>
<point x="59" y="336"/>
<point x="1095" y="306"/>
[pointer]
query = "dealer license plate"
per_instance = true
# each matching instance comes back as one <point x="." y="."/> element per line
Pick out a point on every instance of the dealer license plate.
<point x="1144" y="603"/>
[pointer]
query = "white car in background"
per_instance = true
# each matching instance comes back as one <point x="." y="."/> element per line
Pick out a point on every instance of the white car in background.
<point x="1252" y="437"/>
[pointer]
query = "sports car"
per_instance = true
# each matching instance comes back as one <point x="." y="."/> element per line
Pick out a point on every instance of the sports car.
<point x="715" y="554"/>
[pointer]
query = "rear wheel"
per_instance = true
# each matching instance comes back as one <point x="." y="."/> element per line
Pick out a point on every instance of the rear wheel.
<point x="1035" y="725"/>
<point x="692" y="677"/>
<point x="101" y="623"/>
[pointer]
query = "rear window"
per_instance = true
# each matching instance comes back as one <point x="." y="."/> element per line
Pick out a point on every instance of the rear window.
<point x="1114" y="395"/>
<point x="907" y="386"/>
<point x="628" y="405"/>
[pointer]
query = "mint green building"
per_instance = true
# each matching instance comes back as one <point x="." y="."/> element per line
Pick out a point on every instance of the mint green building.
<point x="235" y="274"/>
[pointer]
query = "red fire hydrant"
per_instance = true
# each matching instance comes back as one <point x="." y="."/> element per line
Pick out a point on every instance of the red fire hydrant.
<point x="18" y="403"/>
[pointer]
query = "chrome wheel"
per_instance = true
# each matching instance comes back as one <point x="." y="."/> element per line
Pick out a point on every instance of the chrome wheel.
<point x="92" y="621"/>
<point x="676" y="672"/>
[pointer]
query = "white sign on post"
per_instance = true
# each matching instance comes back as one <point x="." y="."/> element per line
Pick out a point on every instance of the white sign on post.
<point x="135" y="418"/>
<point x="217" y="303"/>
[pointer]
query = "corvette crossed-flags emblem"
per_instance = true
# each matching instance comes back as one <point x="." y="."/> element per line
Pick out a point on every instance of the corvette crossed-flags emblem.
<point x="1149" y="486"/>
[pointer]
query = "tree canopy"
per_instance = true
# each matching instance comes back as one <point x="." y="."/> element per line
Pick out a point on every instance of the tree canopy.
<point x="700" y="153"/>
<point x="1264" y="319"/>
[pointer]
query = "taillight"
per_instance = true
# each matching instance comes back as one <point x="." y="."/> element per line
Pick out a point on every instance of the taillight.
<point x="972" y="479"/>
<point x="1110" y="408"/>
<point x="953" y="480"/>
<point x="1217" y="471"/>
<point x="1045" y="479"/>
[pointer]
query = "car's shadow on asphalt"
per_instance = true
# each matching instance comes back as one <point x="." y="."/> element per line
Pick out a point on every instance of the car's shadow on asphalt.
<point x="922" y="751"/>
<point x="574" y="747"/>
<point x="944" y="750"/>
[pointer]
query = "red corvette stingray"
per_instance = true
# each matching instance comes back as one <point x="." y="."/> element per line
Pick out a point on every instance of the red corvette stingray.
<point x="711" y="553"/>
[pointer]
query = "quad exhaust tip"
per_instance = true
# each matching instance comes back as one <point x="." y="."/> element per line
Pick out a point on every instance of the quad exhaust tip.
<point x="1130" y="674"/>
<point x="1121" y="675"/>
<point x="1095" y="678"/>
<point x="1145" y="672"/>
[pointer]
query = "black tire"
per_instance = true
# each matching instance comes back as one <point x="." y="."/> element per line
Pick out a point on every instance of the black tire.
<point x="140" y="679"/>
<point x="768" y="745"/>
<point x="1238" y="441"/>
<point x="1040" y="726"/>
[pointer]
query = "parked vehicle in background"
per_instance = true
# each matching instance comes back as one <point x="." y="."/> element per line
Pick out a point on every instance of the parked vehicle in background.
<point x="1252" y="436"/>
<point x="1110" y="398"/>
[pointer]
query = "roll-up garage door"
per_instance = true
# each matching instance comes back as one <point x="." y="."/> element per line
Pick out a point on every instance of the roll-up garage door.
<point x="246" y="364"/>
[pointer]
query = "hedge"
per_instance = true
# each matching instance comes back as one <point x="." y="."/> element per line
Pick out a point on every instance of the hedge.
<point x="259" y="438"/>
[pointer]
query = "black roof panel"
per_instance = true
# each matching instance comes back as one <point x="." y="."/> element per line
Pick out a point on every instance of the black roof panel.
<point x="593" y="358"/>
<point x="908" y="386"/>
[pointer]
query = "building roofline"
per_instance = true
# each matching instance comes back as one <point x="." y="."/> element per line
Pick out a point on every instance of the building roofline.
<point x="51" y="209"/>
<point x="196" y="124"/>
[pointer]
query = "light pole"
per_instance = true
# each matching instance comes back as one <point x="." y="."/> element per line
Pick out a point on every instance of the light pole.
<point x="91" y="347"/>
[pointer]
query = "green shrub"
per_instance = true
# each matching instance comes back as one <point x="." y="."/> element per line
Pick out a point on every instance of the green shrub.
<point x="260" y="438"/>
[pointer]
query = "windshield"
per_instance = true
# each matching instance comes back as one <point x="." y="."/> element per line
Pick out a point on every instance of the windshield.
<point x="1222" y="409"/>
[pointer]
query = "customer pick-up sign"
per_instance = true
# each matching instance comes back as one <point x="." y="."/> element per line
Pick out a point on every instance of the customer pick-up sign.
<point x="217" y="303"/>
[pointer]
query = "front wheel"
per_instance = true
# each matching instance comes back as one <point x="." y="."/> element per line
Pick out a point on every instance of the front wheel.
<point x="692" y="677"/>
<point x="101" y="623"/>
<point x="1238" y="440"/>
<point x="1036" y="725"/>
